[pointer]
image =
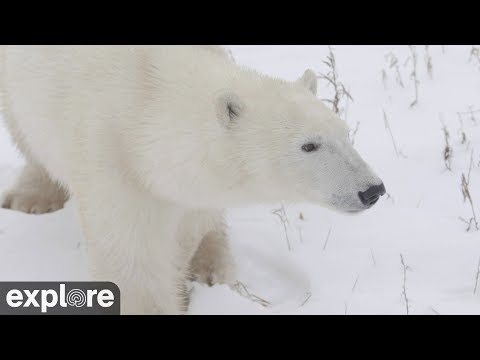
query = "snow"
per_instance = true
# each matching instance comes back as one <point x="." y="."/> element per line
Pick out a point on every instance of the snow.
<point x="358" y="270"/>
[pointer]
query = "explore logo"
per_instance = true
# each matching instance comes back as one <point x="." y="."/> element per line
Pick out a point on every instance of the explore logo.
<point x="55" y="298"/>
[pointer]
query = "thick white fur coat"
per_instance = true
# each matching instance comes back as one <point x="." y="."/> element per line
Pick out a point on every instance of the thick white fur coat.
<point x="153" y="142"/>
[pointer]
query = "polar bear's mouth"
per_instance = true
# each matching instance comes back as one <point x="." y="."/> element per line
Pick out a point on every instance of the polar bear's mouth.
<point x="365" y="200"/>
<point x="342" y="205"/>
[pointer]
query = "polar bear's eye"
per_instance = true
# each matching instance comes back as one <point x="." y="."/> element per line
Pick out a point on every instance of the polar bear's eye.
<point x="310" y="147"/>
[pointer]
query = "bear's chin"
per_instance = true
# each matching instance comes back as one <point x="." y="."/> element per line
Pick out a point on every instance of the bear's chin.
<point x="352" y="212"/>
<point x="344" y="211"/>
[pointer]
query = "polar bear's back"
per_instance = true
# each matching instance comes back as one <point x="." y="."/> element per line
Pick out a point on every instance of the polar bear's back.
<point x="51" y="94"/>
<point x="58" y="99"/>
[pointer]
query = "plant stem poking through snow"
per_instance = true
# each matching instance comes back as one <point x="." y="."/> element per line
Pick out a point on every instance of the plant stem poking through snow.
<point x="282" y="215"/>
<point x="474" y="54"/>
<point x="384" y="79"/>
<point x="332" y="78"/>
<point x="355" y="284"/>
<point x="308" y="296"/>
<point x="389" y="129"/>
<point x="404" y="287"/>
<point x="470" y="112"/>
<point x="394" y="64"/>
<point x="463" y="136"/>
<point x="373" y="257"/>
<point x="413" y="74"/>
<point x="326" y="240"/>
<point x="353" y="133"/>
<point x="447" y="151"/>
<point x="300" y="234"/>
<point x="473" y="222"/>
<point x="435" y="311"/>
<point x="428" y="61"/>
<point x="477" y="277"/>
<point x="390" y="197"/>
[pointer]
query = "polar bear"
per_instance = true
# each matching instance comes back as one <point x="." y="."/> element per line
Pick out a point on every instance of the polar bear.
<point x="153" y="142"/>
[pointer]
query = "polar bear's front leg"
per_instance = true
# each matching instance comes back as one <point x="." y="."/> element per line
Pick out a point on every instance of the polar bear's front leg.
<point x="206" y="250"/>
<point x="130" y="241"/>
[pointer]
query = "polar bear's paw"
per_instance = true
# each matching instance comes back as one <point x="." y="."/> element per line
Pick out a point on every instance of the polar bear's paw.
<point x="34" y="193"/>
<point x="213" y="274"/>
<point x="32" y="202"/>
<point x="213" y="262"/>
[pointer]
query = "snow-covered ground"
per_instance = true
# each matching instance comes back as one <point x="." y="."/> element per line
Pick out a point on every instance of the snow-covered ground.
<point x="338" y="264"/>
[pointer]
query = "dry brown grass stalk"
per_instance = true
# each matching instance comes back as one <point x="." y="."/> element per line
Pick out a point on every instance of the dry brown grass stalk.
<point x="353" y="133"/>
<point x="428" y="62"/>
<point x="328" y="238"/>
<point x="282" y="215"/>
<point x="413" y="74"/>
<point x="340" y="92"/>
<point x="447" y="150"/>
<point x="398" y="152"/>
<point x="465" y="186"/>
<point x="477" y="277"/>
<point x="405" y="268"/>
<point x="241" y="288"/>
<point x="393" y="63"/>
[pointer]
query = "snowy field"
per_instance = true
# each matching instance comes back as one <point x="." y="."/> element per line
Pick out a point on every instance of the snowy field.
<point x="336" y="264"/>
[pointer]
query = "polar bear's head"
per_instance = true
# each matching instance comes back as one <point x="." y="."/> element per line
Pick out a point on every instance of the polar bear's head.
<point x="256" y="139"/>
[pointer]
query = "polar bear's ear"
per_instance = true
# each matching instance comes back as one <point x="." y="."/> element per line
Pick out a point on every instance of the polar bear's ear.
<point x="309" y="80"/>
<point x="229" y="108"/>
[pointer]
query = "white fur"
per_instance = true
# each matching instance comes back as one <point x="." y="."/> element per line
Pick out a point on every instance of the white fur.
<point x="152" y="142"/>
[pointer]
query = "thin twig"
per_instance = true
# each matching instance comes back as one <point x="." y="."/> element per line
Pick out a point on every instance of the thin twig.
<point x="355" y="284"/>
<point x="332" y="79"/>
<point x="353" y="133"/>
<point x="428" y="61"/>
<point x="390" y="197"/>
<point x="328" y="237"/>
<point x="389" y="130"/>
<point x="394" y="64"/>
<point x="404" y="287"/>
<point x="463" y="136"/>
<point x="241" y="288"/>
<point x="474" y="54"/>
<point x="284" y="220"/>
<point x="477" y="277"/>
<point x="308" y="295"/>
<point x="384" y="79"/>
<point x="470" y="112"/>
<point x="300" y="235"/>
<point x="435" y="311"/>
<point x="373" y="257"/>
<point x="465" y="186"/>
<point x="447" y="151"/>
<point x="413" y="75"/>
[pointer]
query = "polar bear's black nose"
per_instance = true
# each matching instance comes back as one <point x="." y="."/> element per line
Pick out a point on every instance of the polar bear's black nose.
<point x="371" y="196"/>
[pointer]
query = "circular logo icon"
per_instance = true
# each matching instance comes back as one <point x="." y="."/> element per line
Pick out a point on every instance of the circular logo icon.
<point x="76" y="298"/>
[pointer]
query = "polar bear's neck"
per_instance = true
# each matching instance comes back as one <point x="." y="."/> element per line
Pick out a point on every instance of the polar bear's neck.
<point x="197" y="71"/>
